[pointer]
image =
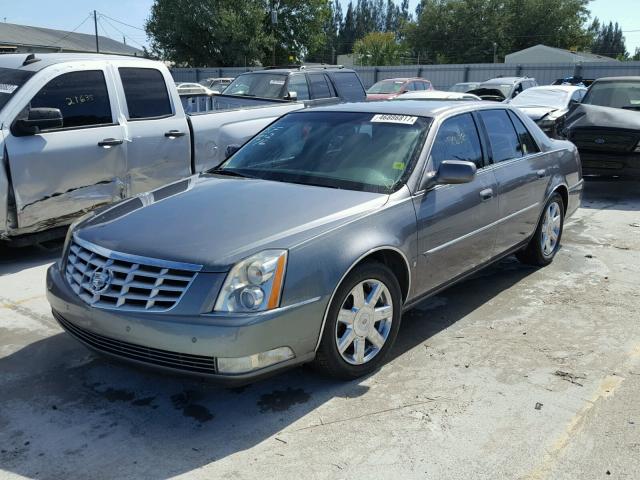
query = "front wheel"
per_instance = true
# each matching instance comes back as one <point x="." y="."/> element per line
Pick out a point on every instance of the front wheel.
<point x="545" y="242"/>
<point x="362" y="322"/>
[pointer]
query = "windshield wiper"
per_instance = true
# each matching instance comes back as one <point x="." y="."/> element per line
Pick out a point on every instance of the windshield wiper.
<point x="228" y="172"/>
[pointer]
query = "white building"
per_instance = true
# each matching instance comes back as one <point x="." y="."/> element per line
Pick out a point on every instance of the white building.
<point x="545" y="54"/>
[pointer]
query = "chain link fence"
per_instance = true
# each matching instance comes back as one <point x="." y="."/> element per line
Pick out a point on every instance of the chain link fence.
<point x="444" y="76"/>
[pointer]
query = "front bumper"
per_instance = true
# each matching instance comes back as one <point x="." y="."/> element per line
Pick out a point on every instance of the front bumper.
<point x="604" y="164"/>
<point x="188" y="344"/>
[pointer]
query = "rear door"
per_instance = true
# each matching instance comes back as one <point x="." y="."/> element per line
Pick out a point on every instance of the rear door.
<point x="62" y="172"/>
<point x="456" y="223"/>
<point x="522" y="176"/>
<point x="158" y="138"/>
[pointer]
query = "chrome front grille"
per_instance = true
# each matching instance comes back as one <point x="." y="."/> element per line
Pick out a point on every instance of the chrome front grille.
<point x="113" y="280"/>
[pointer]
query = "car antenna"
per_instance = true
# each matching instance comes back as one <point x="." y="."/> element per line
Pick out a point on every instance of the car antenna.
<point x="31" y="58"/>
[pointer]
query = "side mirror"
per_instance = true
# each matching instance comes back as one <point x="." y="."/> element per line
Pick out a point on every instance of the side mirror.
<point x="231" y="149"/>
<point x="38" y="119"/>
<point x="293" y="96"/>
<point x="455" y="171"/>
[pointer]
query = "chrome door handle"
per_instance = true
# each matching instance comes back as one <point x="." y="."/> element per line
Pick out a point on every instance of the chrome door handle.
<point x="174" y="134"/>
<point x="542" y="173"/>
<point x="486" y="194"/>
<point x="109" y="142"/>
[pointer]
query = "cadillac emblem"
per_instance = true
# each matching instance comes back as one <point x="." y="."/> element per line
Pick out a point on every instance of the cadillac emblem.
<point x="100" y="280"/>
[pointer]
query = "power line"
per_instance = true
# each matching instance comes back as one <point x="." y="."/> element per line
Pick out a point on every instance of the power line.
<point x="123" y="23"/>
<point x="72" y="31"/>
<point x="103" y="16"/>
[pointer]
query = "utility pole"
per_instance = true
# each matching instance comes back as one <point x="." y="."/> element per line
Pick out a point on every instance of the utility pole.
<point x="495" y="52"/>
<point x="274" y="22"/>
<point x="95" y="26"/>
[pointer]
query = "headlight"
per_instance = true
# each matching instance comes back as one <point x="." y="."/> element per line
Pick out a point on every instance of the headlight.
<point x="254" y="284"/>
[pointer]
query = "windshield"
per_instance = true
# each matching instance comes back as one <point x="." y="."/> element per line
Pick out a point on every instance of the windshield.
<point x="10" y="81"/>
<point x="264" y="85"/>
<point x="463" y="87"/>
<point x="542" y="97"/>
<point x="386" y="87"/>
<point x="504" y="89"/>
<point x="347" y="150"/>
<point x="619" y="94"/>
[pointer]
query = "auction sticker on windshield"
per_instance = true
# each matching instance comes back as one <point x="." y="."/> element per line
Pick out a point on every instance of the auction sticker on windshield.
<point x="402" y="119"/>
<point x="7" y="88"/>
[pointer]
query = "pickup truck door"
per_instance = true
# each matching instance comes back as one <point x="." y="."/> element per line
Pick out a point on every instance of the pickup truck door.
<point x="158" y="138"/>
<point x="455" y="223"/>
<point x="59" y="173"/>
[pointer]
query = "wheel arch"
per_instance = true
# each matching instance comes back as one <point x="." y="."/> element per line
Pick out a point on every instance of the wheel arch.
<point x="388" y="255"/>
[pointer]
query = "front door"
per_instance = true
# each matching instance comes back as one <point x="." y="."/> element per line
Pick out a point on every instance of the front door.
<point x="456" y="223"/>
<point x="159" y="143"/>
<point x="59" y="173"/>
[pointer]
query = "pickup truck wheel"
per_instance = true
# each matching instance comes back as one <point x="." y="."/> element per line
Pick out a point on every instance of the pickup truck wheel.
<point x="546" y="240"/>
<point x="362" y="323"/>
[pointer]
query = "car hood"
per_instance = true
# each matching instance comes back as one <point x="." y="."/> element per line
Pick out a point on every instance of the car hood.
<point x="491" y="94"/>
<point x="215" y="221"/>
<point x="537" y="113"/>
<point x="595" y="116"/>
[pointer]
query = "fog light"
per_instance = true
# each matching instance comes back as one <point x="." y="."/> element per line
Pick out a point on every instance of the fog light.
<point x="254" y="362"/>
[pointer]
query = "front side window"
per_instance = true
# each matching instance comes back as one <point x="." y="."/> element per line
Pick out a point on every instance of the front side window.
<point x="457" y="139"/>
<point x="298" y="84"/>
<point x="527" y="144"/>
<point x="617" y="94"/>
<point x="81" y="97"/>
<point x="347" y="150"/>
<point x="262" y="85"/>
<point x="146" y="93"/>
<point x="502" y="136"/>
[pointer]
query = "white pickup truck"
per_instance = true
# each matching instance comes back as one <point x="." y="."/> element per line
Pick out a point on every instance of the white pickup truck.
<point x="81" y="130"/>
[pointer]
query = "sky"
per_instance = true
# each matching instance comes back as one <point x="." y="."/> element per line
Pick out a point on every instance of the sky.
<point x="68" y="14"/>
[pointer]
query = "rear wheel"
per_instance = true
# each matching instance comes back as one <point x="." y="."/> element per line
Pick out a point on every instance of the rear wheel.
<point x="545" y="242"/>
<point x="362" y="322"/>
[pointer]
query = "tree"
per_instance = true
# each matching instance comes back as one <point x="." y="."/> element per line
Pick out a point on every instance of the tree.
<point x="609" y="40"/>
<point x="379" y="48"/>
<point x="347" y="36"/>
<point x="201" y="33"/>
<point x="326" y="51"/>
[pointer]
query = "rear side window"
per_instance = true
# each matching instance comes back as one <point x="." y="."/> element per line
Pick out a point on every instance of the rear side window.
<point x="81" y="97"/>
<point x="457" y="139"/>
<point x="298" y="84"/>
<point x="319" y="86"/>
<point x="502" y="136"/>
<point x="527" y="143"/>
<point x="349" y="86"/>
<point x="146" y="93"/>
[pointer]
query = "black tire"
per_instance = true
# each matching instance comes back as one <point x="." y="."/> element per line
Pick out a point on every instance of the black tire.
<point x="533" y="253"/>
<point x="328" y="360"/>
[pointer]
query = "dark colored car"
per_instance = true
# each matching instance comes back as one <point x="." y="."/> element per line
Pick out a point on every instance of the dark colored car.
<point x="304" y="83"/>
<point x="392" y="87"/>
<point x="309" y="242"/>
<point x="606" y="128"/>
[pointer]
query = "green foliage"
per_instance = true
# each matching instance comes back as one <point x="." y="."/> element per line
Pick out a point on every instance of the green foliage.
<point x="226" y="32"/>
<point x="379" y="48"/>
<point x="609" y="41"/>
<point x="464" y="31"/>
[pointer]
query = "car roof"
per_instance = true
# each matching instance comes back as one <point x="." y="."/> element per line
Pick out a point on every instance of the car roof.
<point x="15" y="60"/>
<point x="401" y="79"/>
<point x="406" y="107"/>
<point x="567" y="88"/>
<point x="504" y="80"/>
<point x="437" y="94"/>
<point x="298" y="70"/>
<point x="617" y="79"/>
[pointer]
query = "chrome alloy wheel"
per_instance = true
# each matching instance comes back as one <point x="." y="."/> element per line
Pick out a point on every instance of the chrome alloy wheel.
<point x="364" y="322"/>
<point x="551" y="224"/>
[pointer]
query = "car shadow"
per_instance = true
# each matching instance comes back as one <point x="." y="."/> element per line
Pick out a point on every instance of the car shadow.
<point x="66" y="413"/>
<point x="611" y="193"/>
<point x="14" y="260"/>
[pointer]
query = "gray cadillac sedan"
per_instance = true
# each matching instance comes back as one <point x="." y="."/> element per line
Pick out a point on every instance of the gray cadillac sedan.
<point x="309" y="242"/>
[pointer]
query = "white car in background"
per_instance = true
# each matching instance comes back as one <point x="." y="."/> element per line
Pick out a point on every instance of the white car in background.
<point x="187" y="88"/>
<point x="437" y="95"/>
<point x="548" y="105"/>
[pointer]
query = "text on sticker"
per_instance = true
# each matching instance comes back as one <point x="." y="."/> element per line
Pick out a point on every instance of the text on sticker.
<point x="7" y="88"/>
<point x="276" y="82"/>
<point x="402" y="119"/>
